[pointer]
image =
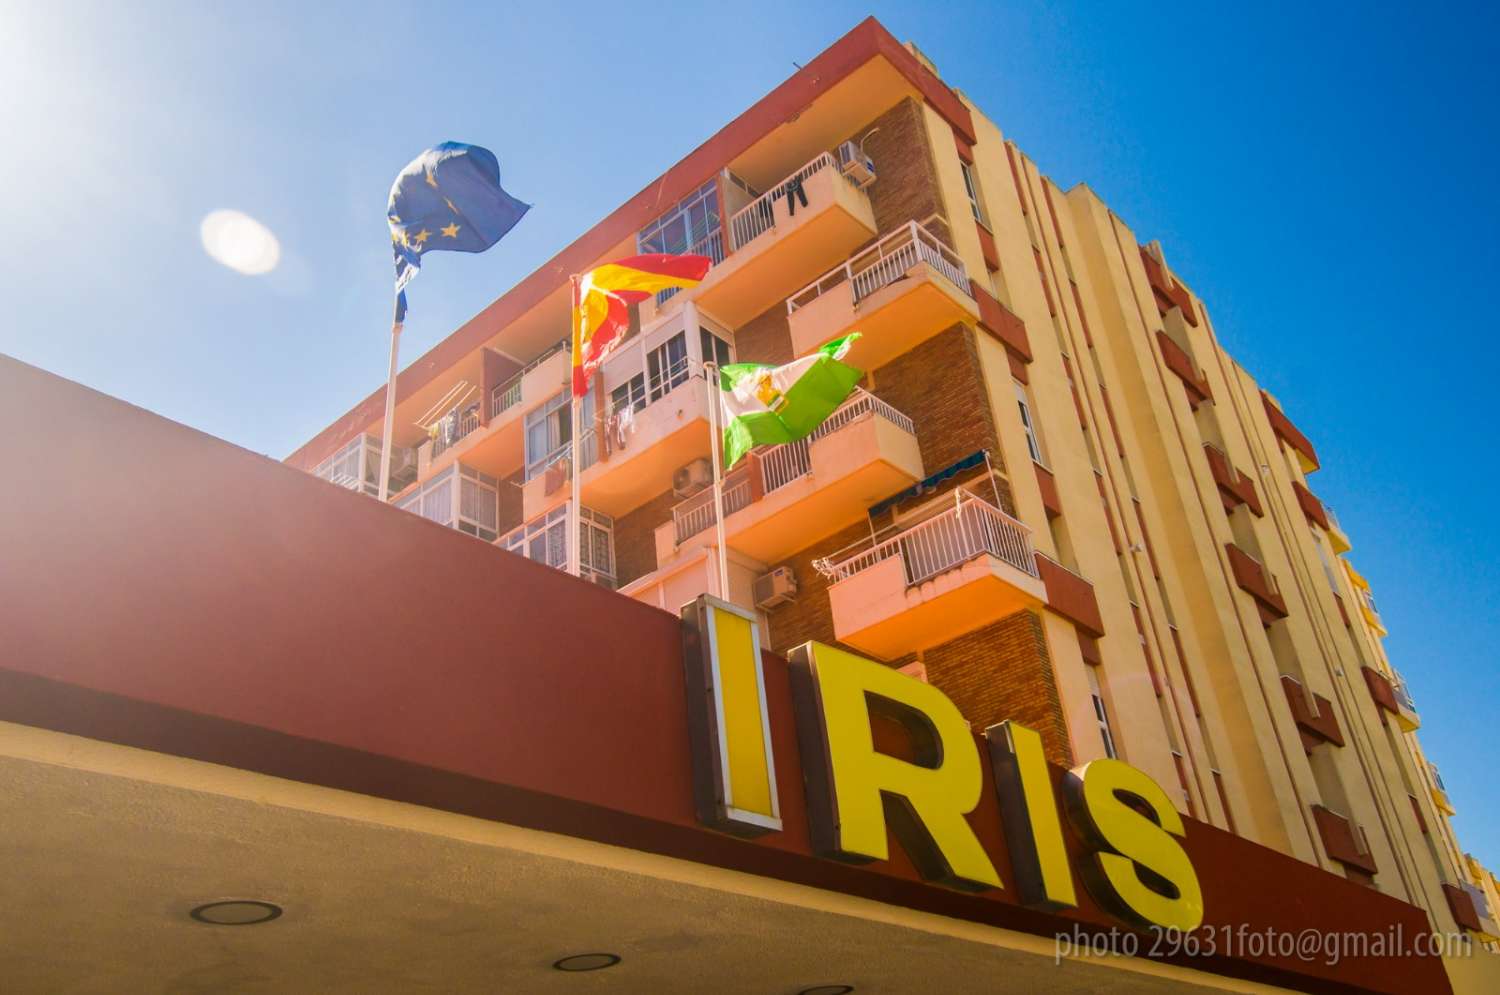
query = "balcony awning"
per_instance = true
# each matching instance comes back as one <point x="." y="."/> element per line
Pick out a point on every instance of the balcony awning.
<point x="930" y="484"/>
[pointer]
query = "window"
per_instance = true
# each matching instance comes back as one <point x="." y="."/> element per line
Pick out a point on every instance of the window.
<point x="1033" y="441"/>
<point x="545" y="540"/>
<point x="548" y="429"/>
<point x="667" y="366"/>
<point x="971" y="187"/>
<point x="630" y="394"/>
<point x="715" y="349"/>
<point x="691" y="226"/>
<point x="1100" y="715"/>
<point x="460" y="498"/>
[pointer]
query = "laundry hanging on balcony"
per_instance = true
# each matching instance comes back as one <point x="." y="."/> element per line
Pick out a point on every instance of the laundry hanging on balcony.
<point x="930" y="484"/>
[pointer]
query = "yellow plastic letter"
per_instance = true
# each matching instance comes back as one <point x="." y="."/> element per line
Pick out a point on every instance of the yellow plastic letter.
<point x="853" y="789"/>
<point x="1140" y="872"/>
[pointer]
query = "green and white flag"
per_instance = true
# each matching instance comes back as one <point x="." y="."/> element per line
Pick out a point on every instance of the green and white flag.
<point x="769" y="405"/>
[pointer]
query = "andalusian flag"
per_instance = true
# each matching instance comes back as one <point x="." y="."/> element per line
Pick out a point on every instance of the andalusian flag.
<point x="602" y="299"/>
<point x="769" y="405"/>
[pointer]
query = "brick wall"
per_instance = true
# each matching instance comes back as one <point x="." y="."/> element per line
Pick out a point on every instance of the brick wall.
<point x="1000" y="672"/>
<point x="766" y="338"/>
<point x="906" y="181"/>
<point x="635" y="537"/>
<point x="940" y="386"/>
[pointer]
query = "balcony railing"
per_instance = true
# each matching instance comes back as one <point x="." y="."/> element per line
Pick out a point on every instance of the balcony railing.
<point x="508" y="394"/>
<point x="454" y="426"/>
<point x="658" y="387"/>
<point x="697" y="513"/>
<point x="946" y="540"/>
<point x="783" y="464"/>
<point x="1481" y="903"/>
<point x="885" y="262"/>
<point x="757" y="217"/>
<point x="1403" y="696"/>
<point x="710" y="245"/>
<point x="1437" y="779"/>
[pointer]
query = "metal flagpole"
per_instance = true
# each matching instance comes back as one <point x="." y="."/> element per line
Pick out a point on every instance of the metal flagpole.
<point x="716" y="436"/>
<point x="573" y="520"/>
<point x="390" y="414"/>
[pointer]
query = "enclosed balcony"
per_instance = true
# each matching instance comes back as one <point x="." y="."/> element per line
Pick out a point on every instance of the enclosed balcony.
<point x="646" y="418"/>
<point x="898" y="293"/>
<point x="784" y="498"/>
<point x="807" y="221"/>
<point x="545" y="540"/>
<point x="964" y="565"/>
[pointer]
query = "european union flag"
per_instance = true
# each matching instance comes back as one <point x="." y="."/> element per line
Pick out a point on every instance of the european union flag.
<point x="448" y="198"/>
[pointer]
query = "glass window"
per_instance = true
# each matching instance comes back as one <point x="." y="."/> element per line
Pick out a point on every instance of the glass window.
<point x="667" y="366"/>
<point x="1033" y="441"/>
<point x="630" y="394"/>
<point x="548" y="429"/>
<point x="715" y="349"/>
<point x="691" y="226"/>
<point x="1100" y="715"/>
<point x="971" y="187"/>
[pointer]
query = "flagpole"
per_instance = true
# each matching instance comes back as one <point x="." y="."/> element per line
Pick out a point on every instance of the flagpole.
<point x="390" y="414"/>
<point x="575" y="516"/>
<point x="711" y="388"/>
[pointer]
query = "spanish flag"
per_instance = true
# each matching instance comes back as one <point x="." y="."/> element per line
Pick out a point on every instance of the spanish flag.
<point x="602" y="298"/>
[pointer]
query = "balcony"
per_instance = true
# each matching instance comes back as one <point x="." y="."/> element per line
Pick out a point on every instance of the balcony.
<point x="496" y="448"/>
<point x="545" y="540"/>
<point x="1180" y="363"/>
<point x="898" y="293"/>
<point x="964" y="566"/>
<point x="1235" y="488"/>
<point x="1366" y="599"/>
<point x="1288" y="434"/>
<point x="1440" y="791"/>
<point x="1396" y="703"/>
<point x="1167" y="291"/>
<point x="625" y="468"/>
<point x="1070" y="595"/>
<point x="785" y="498"/>
<point x="1313" y="714"/>
<point x="777" y="240"/>
<point x="1337" y="537"/>
<point x="1253" y="578"/>
<point x="1311" y="506"/>
<point x="1344" y="841"/>
<point x="1471" y="910"/>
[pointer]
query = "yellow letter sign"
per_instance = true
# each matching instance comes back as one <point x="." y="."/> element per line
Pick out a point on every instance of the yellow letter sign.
<point x="849" y="782"/>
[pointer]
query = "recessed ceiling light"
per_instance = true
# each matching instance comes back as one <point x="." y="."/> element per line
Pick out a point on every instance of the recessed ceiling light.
<point x="587" y="962"/>
<point x="236" y="912"/>
<point x="827" y="990"/>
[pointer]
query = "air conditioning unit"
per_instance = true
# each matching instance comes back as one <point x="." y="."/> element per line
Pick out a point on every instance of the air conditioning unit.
<point x="693" y="477"/>
<point x="855" y="165"/>
<point x="775" y="588"/>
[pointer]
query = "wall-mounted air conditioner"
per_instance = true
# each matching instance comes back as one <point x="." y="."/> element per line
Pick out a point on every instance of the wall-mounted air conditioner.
<point x="855" y="165"/>
<point x="775" y="588"/>
<point x="691" y="478"/>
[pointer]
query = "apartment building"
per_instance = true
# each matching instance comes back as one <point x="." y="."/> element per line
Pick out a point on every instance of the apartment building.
<point x="1054" y="495"/>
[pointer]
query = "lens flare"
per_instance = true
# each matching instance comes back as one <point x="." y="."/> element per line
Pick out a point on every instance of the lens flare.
<point x="238" y="241"/>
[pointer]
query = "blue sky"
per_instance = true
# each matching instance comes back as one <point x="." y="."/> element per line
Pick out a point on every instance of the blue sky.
<point x="1323" y="178"/>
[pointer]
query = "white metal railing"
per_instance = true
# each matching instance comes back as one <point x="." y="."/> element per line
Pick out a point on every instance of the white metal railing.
<point x="697" y="513"/>
<point x="710" y="245"/>
<point x="885" y="262"/>
<point x="454" y="426"/>
<point x="780" y="465"/>
<point x="759" y="216"/>
<point x="1437" y="779"/>
<point x="944" y="541"/>
<point x="508" y="394"/>
<point x="680" y="372"/>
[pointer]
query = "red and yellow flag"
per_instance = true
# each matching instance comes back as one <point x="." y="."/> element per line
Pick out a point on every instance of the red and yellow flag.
<point x="602" y="297"/>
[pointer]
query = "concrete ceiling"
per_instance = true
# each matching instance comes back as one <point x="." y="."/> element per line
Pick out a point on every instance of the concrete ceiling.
<point x="106" y="850"/>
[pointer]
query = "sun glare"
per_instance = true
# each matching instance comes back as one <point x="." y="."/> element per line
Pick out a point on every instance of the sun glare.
<point x="240" y="242"/>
